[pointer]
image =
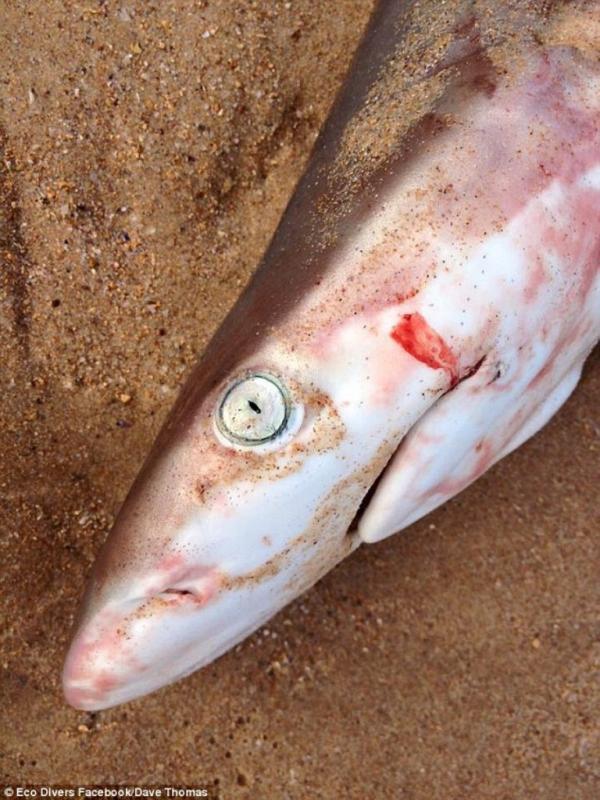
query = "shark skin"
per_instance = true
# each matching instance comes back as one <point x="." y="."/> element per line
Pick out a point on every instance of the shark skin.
<point x="416" y="333"/>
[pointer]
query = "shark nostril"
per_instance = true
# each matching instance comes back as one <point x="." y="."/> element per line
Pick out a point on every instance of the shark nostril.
<point x="173" y="595"/>
<point x="189" y="585"/>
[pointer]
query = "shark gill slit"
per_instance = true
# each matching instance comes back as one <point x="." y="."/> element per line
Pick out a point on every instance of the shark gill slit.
<point x="370" y="493"/>
<point x="353" y="528"/>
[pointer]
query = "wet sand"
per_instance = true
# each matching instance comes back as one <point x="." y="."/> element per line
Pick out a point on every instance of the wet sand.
<point x="147" y="152"/>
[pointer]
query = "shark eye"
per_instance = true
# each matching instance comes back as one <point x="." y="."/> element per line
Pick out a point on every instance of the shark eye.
<point x="254" y="410"/>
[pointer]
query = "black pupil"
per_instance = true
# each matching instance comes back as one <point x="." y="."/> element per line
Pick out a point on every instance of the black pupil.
<point x="254" y="406"/>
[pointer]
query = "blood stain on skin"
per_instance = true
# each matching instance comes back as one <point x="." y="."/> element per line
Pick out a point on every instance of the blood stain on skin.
<point x="422" y="342"/>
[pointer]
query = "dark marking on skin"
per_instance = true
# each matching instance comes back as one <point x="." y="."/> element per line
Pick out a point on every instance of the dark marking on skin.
<point x="499" y="370"/>
<point x="422" y="342"/>
<point x="15" y="262"/>
<point x="202" y="487"/>
<point x="402" y="298"/>
<point x="472" y="370"/>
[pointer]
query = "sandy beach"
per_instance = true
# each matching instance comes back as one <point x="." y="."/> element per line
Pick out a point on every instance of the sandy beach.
<point x="146" y="152"/>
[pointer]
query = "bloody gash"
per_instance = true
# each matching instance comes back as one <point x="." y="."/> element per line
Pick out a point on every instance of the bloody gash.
<point x="425" y="306"/>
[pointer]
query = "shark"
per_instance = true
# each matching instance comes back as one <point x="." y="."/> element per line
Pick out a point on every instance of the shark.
<point x="425" y="306"/>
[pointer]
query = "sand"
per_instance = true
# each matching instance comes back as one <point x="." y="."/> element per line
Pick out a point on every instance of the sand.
<point x="147" y="151"/>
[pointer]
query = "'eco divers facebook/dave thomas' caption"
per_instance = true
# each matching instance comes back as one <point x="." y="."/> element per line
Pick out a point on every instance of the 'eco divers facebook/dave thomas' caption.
<point x="106" y="792"/>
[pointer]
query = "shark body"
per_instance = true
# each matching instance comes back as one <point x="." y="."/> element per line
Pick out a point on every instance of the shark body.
<point x="426" y="305"/>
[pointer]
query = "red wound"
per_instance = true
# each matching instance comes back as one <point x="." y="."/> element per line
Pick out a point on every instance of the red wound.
<point x="423" y="343"/>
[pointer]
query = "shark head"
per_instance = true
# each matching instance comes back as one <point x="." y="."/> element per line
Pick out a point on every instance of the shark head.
<point x="247" y="500"/>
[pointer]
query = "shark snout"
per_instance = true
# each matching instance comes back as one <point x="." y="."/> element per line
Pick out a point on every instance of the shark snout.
<point x="130" y="645"/>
